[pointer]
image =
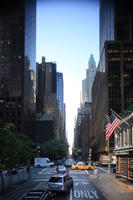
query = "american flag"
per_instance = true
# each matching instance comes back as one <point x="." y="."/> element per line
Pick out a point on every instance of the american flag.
<point x="111" y="124"/>
<point x="108" y="124"/>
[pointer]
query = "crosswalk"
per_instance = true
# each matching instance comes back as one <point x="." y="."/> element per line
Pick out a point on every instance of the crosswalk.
<point x="52" y="171"/>
<point x="46" y="173"/>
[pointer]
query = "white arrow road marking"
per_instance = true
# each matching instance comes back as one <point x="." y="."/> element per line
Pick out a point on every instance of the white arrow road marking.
<point x="85" y="183"/>
<point x="81" y="183"/>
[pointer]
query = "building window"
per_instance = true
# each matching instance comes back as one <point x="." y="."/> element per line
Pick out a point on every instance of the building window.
<point x="121" y="139"/>
<point x="132" y="135"/>
<point x="123" y="143"/>
<point x="116" y="140"/>
<point x="126" y="140"/>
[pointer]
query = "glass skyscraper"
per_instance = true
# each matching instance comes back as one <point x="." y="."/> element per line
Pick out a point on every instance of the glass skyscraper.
<point x="113" y="85"/>
<point x="60" y="90"/>
<point x="17" y="61"/>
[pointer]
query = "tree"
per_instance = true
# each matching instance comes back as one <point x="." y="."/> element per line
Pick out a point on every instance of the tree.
<point x="15" y="148"/>
<point x="9" y="146"/>
<point x="54" y="149"/>
<point x="27" y="150"/>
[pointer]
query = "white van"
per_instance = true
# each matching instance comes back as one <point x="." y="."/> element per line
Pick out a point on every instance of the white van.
<point x="42" y="162"/>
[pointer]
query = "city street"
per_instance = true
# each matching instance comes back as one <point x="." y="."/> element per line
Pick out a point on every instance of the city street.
<point x="85" y="186"/>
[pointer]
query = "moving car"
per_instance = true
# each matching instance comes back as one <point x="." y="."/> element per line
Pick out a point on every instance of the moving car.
<point x="61" y="169"/>
<point x="82" y="166"/>
<point x="61" y="183"/>
<point x="69" y="163"/>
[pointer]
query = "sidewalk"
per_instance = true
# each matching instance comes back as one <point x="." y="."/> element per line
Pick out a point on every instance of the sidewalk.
<point x="126" y="183"/>
<point x="17" y="190"/>
<point x="114" y="188"/>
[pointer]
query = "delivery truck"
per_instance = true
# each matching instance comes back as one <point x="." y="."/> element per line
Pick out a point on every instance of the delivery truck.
<point x="42" y="162"/>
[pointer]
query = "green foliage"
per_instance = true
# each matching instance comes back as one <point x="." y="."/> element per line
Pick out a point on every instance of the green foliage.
<point x="54" y="149"/>
<point x="15" y="148"/>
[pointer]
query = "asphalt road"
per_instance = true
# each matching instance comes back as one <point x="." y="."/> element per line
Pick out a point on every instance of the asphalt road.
<point x="83" y="186"/>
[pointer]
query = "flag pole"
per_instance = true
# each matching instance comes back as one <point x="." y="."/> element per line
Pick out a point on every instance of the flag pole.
<point x="109" y="118"/>
<point x="108" y="158"/>
<point x="119" y="116"/>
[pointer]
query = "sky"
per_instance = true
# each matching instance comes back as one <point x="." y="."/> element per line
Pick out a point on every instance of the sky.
<point x="67" y="33"/>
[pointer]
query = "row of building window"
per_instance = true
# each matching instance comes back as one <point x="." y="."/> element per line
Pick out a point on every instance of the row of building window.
<point x="118" y="51"/>
<point x="117" y="59"/>
<point x="124" y="138"/>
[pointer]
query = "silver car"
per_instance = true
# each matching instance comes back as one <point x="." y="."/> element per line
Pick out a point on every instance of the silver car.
<point x="61" y="169"/>
<point x="61" y="183"/>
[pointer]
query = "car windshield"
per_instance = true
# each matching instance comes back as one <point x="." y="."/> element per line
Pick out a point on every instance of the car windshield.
<point x="56" y="179"/>
<point x="81" y="163"/>
<point x="69" y="162"/>
<point x="61" y="167"/>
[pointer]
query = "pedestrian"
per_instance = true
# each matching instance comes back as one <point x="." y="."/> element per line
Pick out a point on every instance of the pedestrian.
<point x="95" y="172"/>
<point x="67" y="174"/>
<point x="28" y="171"/>
<point x="56" y="169"/>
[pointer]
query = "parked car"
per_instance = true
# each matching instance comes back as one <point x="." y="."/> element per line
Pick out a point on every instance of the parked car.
<point x="82" y="166"/>
<point x="61" y="183"/>
<point x="13" y="171"/>
<point x="38" y="195"/>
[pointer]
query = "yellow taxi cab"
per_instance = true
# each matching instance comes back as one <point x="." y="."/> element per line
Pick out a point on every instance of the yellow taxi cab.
<point x="82" y="166"/>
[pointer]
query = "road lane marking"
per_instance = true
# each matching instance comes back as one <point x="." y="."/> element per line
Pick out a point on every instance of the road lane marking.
<point x="81" y="179"/>
<point x="85" y="194"/>
<point x="82" y="183"/>
<point x="40" y="180"/>
<point x="95" y="194"/>
<point x="71" y="194"/>
<point x="102" y="169"/>
<point x="87" y="172"/>
<point x="41" y="172"/>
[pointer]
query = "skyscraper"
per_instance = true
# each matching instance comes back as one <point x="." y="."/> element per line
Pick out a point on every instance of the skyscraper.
<point x="17" y="61"/>
<point x="115" y="69"/>
<point x="88" y="82"/>
<point x="60" y="90"/>
<point x="61" y="105"/>
<point x="47" y="103"/>
<point x="46" y="86"/>
<point x="90" y="75"/>
<point x="116" y="42"/>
